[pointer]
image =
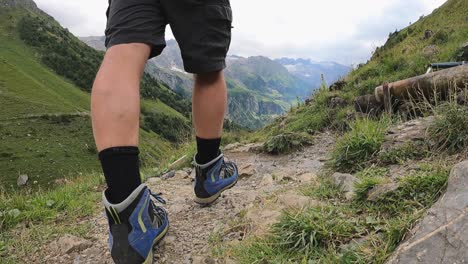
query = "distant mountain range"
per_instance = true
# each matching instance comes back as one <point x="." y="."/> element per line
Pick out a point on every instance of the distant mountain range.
<point x="260" y="88"/>
<point x="311" y="71"/>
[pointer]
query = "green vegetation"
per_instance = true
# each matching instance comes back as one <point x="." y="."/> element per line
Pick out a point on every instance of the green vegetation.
<point x="357" y="231"/>
<point x="43" y="206"/>
<point x="51" y="212"/>
<point x="405" y="54"/>
<point x="286" y="143"/>
<point x="324" y="191"/>
<point x="359" y="145"/>
<point x="450" y="129"/>
<point x="74" y="60"/>
<point x="172" y="128"/>
<point x="45" y="128"/>
<point x="28" y="148"/>
<point x="399" y="155"/>
<point x="317" y="115"/>
<point x="360" y="230"/>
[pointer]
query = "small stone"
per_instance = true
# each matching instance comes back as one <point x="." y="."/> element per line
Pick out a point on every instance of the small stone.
<point x="380" y="190"/>
<point x="346" y="183"/>
<point x="68" y="244"/>
<point x="203" y="260"/>
<point x="230" y="261"/>
<point x="168" y="175"/>
<point x="262" y="218"/>
<point x="296" y="201"/>
<point x="336" y="102"/>
<point x="307" y="177"/>
<point x="22" y="180"/>
<point x="232" y="146"/>
<point x="428" y="34"/>
<point x="246" y="171"/>
<point x="61" y="181"/>
<point x="267" y="180"/>
<point x="180" y="176"/>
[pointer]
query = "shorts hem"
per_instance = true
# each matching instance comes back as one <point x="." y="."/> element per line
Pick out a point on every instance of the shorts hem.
<point x="157" y="46"/>
<point x="204" y="67"/>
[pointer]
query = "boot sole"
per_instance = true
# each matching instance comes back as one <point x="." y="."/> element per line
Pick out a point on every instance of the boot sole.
<point x="212" y="199"/>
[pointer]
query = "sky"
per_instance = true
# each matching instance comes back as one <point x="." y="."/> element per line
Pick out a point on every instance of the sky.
<point x="332" y="30"/>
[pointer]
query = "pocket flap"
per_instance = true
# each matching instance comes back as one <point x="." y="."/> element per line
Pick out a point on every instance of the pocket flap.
<point x="219" y="12"/>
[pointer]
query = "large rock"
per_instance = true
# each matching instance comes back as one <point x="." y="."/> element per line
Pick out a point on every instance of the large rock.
<point x="346" y="183"/>
<point x="413" y="131"/>
<point x="442" y="236"/>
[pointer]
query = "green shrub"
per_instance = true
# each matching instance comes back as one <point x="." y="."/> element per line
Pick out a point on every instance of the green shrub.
<point x="315" y="229"/>
<point x="440" y="37"/>
<point x="359" y="145"/>
<point x="415" y="192"/>
<point x="286" y="143"/>
<point x="450" y="129"/>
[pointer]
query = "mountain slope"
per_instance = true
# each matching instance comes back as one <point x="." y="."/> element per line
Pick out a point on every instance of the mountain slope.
<point x="45" y="129"/>
<point x="260" y="88"/>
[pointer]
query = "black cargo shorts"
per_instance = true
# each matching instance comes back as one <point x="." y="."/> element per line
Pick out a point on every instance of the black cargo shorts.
<point x="201" y="27"/>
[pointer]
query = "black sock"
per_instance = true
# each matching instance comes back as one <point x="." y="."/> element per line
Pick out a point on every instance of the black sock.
<point x="122" y="172"/>
<point x="208" y="150"/>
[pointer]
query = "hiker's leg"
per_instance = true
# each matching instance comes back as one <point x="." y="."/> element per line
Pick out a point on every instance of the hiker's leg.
<point x="115" y="97"/>
<point x="115" y="111"/>
<point x="209" y="108"/>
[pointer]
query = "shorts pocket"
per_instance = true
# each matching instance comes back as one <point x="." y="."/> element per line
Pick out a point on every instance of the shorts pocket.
<point x="219" y="19"/>
<point x="218" y="12"/>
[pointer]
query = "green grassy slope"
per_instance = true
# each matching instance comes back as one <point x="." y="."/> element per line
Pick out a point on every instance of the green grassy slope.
<point x="26" y="86"/>
<point x="407" y="52"/>
<point x="45" y="129"/>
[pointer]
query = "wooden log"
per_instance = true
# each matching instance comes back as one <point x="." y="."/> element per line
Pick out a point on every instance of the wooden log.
<point x="427" y="84"/>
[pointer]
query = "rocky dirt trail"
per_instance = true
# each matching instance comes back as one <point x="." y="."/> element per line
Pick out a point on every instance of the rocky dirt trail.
<point x="268" y="184"/>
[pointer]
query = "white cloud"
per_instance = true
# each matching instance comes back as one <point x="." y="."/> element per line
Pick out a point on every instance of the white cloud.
<point x="335" y="30"/>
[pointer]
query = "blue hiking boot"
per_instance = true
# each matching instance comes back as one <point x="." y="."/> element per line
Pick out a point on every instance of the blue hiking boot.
<point x="214" y="178"/>
<point x="136" y="226"/>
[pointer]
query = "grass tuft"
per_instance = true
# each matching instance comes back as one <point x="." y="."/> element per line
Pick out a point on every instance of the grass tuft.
<point x="450" y="130"/>
<point x="286" y="143"/>
<point x="315" y="228"/>
<point x="359" y="145"/>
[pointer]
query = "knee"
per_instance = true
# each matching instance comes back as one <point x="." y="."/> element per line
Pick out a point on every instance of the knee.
<point x="209" y="78"/>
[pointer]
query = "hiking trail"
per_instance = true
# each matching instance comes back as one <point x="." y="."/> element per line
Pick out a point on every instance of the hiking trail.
<point x="267" y="185"/>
